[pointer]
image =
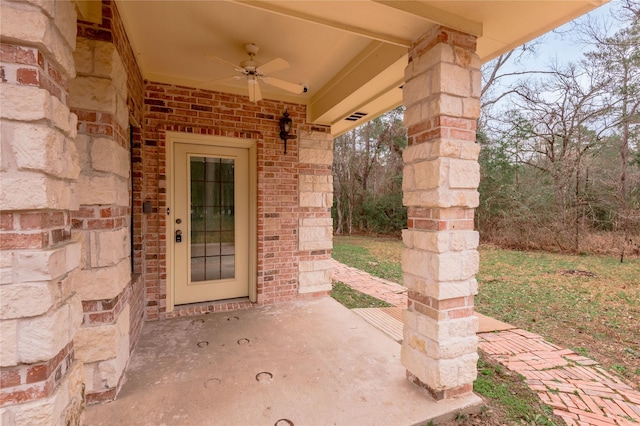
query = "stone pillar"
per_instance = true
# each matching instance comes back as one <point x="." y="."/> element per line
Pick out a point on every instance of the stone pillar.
<point x="441" y="175"/>
<point x="315" y="226"/>
<point x="40" y="377"/>
<point x="98" y="96"/>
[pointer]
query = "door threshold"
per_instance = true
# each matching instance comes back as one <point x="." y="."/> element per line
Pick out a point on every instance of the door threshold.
<point x="200" y="308"/>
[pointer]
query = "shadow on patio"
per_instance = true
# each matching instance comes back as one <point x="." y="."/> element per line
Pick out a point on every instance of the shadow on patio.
<point x="298" y="363"/>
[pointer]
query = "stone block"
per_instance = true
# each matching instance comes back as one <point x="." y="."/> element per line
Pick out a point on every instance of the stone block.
<point x="6" y="267"/>
<point x="451" y="79"/>
<point x="446" y="266"/>
<point x="440" y="53"/>
<point x="470" y="263"/>
<point x="416" y="90"/>
<point x="83" y="56"/>
<point x="83" y="146"/>
<point x="66" y="21"/>
<point x="315" y="156"/>
<point x="315" y="265"/>
<point x="476" y="84"/>
<point x="103" y="189"/>
<point x="102" y="283"/>
<point x="452" y="348"/>
<point x="103" y="342"/>
<point x="62" y="118"/>
<point x="430" y="174"/>
<point x="414" y="153"/>
<point x="439" y="331"/>
<point x="442" y="290"/>
<point x="92" y="93"/>
<point x="415" y="262"/>
<point x="108" y="156"/>
<point x="446" y="148"/>
<point x="451" y="373"/>
<point x="22" y="23"/>
<point x="471" y="108"/>
<point x="445" y="104"/>
<point x="24" y="300"/>
<point x="34" y="27"/>
<point x="9" y="346"/>
<point x="110" y="371"/>
<point x="122" y="111"/>
<point x="109" y="247"/>
<point x="312" y="199"/>
<point x="412" y="114"/>
<point x="23" y="103"/>
<point x="316" y="221"/>
<point x="40" y="265"/>
<point x="27" y="190"/>
<point x="108" y="64"/>
<point x="469" y="151"/>
<point x="41" y="338"/>
<point x="408" y="178"/>
<point x="314" y="281"/>
<point x="464" y="240"/>
<point x="464" y="174"/>
<point x="42" y="148"/>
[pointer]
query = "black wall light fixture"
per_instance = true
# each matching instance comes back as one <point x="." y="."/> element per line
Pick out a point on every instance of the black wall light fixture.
<point x="285" y="127"/>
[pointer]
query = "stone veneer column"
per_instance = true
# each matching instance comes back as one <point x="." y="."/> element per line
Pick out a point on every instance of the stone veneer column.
<point x="441" y="175"/>
<point x="40" y="377"/>
<point x="98" y="96"/>
<point x="315" y="226"/>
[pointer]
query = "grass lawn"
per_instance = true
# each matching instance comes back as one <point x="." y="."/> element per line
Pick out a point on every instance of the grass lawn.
<point x="590" y="304"/>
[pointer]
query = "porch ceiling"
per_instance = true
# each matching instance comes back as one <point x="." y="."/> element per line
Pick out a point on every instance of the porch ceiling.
<point x="351" y="54"/>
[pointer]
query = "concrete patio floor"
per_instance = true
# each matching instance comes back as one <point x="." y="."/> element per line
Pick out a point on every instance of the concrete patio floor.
<point x="298" y="363"/>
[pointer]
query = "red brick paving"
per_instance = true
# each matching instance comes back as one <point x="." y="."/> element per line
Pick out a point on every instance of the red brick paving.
<point x="578" y="389"/>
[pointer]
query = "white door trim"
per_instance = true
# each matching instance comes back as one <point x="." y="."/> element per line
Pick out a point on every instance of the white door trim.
<point x="219" y="141"/>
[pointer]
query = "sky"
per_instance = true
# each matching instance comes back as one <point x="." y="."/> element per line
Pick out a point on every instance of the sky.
<point x="563" y="44"/>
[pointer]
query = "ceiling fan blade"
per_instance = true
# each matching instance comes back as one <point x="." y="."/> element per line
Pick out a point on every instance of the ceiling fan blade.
<point x="273" y="65"/>
<point x="285" y="85"/>
<point x="220" y="80"/>
<point x="255" y="94"/>
<point x="225" y="62"/>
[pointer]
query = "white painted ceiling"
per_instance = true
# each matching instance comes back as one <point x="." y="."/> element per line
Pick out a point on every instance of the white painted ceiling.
<point x="351" y="54"/>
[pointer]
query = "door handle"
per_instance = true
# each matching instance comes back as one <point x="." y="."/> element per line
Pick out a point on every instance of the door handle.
<point x="178" y="236"/>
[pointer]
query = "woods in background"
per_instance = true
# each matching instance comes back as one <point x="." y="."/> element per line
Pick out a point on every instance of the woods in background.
<point x="560" y="158"/>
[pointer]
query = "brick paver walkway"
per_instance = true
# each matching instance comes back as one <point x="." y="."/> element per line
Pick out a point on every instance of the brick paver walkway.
<point x="388" y="291"/>
<point x="577" y="388"/>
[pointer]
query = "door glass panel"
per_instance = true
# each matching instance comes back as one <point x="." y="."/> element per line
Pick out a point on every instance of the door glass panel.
<point x="212" y="218"/>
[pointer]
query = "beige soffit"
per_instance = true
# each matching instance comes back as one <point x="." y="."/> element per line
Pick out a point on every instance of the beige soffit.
<point x="351" y="54"/>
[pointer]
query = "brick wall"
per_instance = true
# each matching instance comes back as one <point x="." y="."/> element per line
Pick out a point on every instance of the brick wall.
<point x="190" y="110"/>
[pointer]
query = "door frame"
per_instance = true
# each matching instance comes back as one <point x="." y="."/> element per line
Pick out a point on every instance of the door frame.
<point x="212" y="141"/>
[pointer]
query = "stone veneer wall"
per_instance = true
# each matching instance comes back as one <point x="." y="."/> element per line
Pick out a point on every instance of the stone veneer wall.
<point x="40" y="311"/>
<point x="440" y="180"/>
<point x="294" y="190"/>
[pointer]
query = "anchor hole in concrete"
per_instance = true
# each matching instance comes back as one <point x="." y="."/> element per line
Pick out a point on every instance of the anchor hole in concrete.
<point x="264" y="376"/>
<point x="243" y="341"/>
<point x="283" y="422"/>
<point x="212" y="382"/>
<point x="203" y="344"/>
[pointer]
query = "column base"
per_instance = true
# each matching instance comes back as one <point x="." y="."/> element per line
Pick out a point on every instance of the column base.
<point x="440" y="395"/>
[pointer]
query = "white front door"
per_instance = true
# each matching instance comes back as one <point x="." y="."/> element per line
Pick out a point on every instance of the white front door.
<point x="210" y="211"/>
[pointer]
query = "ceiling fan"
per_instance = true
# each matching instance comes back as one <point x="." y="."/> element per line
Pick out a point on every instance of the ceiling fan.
<point x="254" y="71"/>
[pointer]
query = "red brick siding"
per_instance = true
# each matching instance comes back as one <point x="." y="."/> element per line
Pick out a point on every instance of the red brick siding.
<point x="34" y="381"/>
<point x="27" y="66"/>
<point x="191" y="110"/>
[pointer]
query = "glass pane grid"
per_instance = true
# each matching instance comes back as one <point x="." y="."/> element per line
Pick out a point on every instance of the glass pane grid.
<point x="212" y="218"/>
